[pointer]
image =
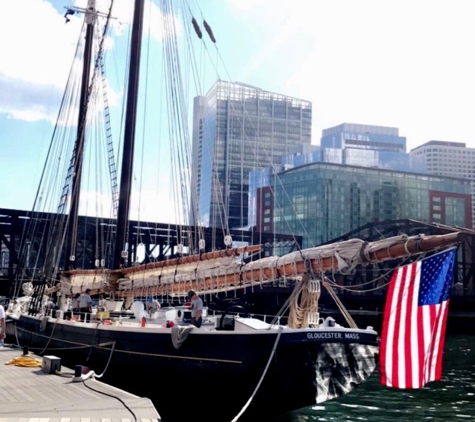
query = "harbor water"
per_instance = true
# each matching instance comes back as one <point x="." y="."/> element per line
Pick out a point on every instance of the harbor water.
<point x="452" y="399"/>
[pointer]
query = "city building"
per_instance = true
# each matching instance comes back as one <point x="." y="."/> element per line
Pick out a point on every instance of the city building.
<point x="368" y="146"/>
<point x="449" y="159"/>
<point x="321" y="201"/>
<point x="302" y="154"/>
<point x="238" y="128"/>
<point x="350" y="144"/>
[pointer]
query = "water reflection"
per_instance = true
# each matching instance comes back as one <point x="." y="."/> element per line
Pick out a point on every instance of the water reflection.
<point x="451" y="399"/>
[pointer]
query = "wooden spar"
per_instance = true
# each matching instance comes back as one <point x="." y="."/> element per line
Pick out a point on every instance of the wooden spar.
<point x="170" y="262"/>
<point x="244" y="277"/>
<point x="190" y="259"/>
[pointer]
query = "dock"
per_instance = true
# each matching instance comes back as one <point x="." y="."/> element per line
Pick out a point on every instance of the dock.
<point x="29" y="394"/>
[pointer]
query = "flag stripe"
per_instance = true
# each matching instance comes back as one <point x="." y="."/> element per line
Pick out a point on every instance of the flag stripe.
<point x="388" y="329"/>
<point x="436" y="347"/>
<point x="438" y="372"/>
<point x="432" y="311"/>
<point x="410" y="283"/>
<point x="412" y="329"/>
<point x="421" y="341"/>
<point x="396" y="313"/>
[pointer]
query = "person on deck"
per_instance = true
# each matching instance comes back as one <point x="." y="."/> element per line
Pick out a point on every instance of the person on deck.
<point x="85" y="306"/>
<point x="73" y="308"/>
<point x="152" y="306"/>
<point x="49" y="307"/>
<point x="101" y="304"/>
<point x="196" y="309"/>
<point x="75" y="304"/>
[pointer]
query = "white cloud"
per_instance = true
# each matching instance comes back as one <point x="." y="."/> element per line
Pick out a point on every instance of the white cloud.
<point x="35" y="66"/>
<point x="398" y="63"/>
<point x="42" y="46"/>
<point x="25" y="100"/>
<point x="153" y="21"/>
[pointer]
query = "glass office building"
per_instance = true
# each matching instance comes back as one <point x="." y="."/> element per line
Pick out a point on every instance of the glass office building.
<point x="238" y="128"/>
<point x="369" y="146"/>
<point x="321" y="201"/>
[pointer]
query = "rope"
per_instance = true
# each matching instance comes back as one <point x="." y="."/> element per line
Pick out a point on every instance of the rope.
<point x="50" y="337"/>
<point x="84" y="346"/>
<point x="297" y="289"/>
<point x="340" y="305"/>
<point x="298" y="317"/>
<point x="25" y="361"/>
<point x="108" y="362"/>
<point x="262" y="377"/>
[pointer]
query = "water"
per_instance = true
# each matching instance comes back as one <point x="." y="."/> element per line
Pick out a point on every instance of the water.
<point x="452" y="399"/>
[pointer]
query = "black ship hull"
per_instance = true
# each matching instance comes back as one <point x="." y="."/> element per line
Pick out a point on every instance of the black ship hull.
<point x="217" y="371"/>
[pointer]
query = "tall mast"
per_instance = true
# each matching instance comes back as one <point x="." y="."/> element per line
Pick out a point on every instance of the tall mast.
<point x="129" y="134"/>
<point x="79" y="146"/>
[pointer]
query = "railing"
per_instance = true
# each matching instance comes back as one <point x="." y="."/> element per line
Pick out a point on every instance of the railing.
<point x="263" y="317"/>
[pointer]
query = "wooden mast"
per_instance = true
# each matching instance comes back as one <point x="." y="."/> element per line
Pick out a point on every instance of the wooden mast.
<point x="129" y="136"/>
<point x="79" y="146"/>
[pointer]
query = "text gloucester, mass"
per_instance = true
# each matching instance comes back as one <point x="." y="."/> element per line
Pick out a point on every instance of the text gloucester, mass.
<point x="335" y="336"/>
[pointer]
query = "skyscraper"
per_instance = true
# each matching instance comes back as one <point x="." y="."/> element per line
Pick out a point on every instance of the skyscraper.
<point x="238" y="128"/>
<point x="368" y="146"/>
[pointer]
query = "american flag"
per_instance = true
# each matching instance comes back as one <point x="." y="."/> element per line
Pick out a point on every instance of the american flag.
<point x="415" y="317"/>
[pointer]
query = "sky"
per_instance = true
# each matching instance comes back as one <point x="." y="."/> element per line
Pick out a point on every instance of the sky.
<point x="405" y="64"/>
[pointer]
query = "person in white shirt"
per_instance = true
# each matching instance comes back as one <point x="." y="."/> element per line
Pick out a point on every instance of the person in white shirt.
<point x="85" y="305"/>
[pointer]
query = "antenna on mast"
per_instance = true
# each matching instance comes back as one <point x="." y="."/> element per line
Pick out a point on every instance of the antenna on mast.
<point x="90" y="11"/>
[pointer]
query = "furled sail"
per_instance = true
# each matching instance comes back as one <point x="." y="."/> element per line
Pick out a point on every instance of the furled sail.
<point x="221" y="271"/>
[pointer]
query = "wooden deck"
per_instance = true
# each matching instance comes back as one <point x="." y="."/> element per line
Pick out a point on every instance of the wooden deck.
<point x="31" y="395"/>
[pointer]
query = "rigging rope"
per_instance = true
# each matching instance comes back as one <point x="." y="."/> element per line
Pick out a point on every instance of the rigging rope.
<point x="340" y="305"/>
<point x="274" y="348"/>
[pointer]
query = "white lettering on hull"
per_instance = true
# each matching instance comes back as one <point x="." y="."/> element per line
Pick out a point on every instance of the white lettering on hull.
<point x="352" y="336"/>
<point x="324" y="336"/>
<point x="333" y="336"/>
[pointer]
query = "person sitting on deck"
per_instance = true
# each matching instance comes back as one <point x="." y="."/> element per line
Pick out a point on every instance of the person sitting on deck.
<point x="196" y="308"/>
<point x="152" y="306"/>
